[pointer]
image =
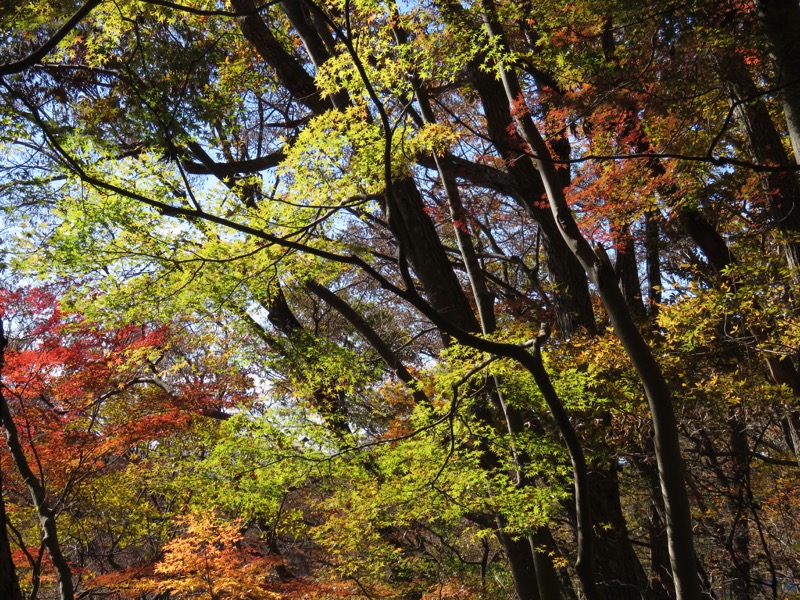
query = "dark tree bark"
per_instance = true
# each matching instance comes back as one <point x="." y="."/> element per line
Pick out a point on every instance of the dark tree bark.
<point x="523" y="570"/>
<point x="572" y="299"/>
<point x="416" y="234"/>
<point x="781" y="20"/>
<point x="289" y="71"/>
<point x="627" y="269"/>
<point x="483" y="297"/>
<point x="620" y="574"/>
<point x="739" y="503"/>
<point x="659" y="585"/>
<point x="9" y="584"/>
<point x="652" y="261"/>
<point x="782" y="188"/>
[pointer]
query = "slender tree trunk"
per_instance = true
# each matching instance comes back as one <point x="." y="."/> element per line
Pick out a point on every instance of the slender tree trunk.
<point x="584" y="565"/>
<point x="739" y="506"/>
<point x="541" y="542"/>
<point x="574" y="310"/>
<point x="541" y="582"/>
<point x="543" y="547"/>
<point x="653" y="261"/>
<point x="659" y="586"/>
<point x="523" y="569"/>
<point x="484" y="300"/>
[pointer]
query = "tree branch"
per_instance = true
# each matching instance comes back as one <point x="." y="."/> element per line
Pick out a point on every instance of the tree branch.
<point x="38" y="54"/>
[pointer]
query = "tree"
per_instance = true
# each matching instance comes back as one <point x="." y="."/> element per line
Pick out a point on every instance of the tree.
<point x="77" y="402"/>
<point x="9" y="584"/>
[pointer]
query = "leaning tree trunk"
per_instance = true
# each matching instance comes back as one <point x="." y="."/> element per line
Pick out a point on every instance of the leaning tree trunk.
<point x="617" y="568"/>
<point x="573" y="304"/>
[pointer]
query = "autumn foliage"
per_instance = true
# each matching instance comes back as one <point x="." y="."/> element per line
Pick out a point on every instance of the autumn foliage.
<point x="440" y="299"/>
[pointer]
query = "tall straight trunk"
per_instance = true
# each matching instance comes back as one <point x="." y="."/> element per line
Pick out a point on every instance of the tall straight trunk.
<point x="627" y="269"/>
<point x="620" y="574"/>
<point x="781" y="21"/>
<point x="523" y="569"/>
<point x="659" y="586"/>
<point x="739" y="506"/>
<point x="652" y="261"/>
<point x="584" y="530"/>
<point x="543" y="546"/>
<point x="532" y="571"/>
<point x="534" y="578"/>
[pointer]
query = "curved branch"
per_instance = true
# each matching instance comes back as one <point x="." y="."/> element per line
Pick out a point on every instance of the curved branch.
<point x="231" y="169"/>
<point x="34" y="57"/>
<point x="210" y="13"/>
<point x="382" y="348"/>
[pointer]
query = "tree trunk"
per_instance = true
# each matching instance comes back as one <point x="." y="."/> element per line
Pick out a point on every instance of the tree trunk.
<point x="739" y="506"/>
<point x="781" y="20"/>
<point x="484" y="299"/>
<point x="665" y="430"/>
<point x="782" y="188"/>
<point x="574" y="310"/>
<point x="653" y="261"/>
<point x="413" y="229"/>
<point x="551" y="581"/>
<point x="627" y="269"/>
<point x="523" y="570"/>
<point x="659" y="586"/>
<point x="9" y="584"/>
<point x="620" y="574"/>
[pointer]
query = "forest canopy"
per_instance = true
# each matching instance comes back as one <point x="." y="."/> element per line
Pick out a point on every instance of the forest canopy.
<point x="360" y="299"/>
